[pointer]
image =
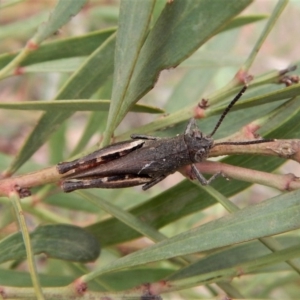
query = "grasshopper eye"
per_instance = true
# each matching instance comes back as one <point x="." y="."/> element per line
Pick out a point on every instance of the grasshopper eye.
<point x="200" y="154"/>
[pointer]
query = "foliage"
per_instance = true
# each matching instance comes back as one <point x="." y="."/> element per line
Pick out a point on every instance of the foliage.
<point x="248" y="252"/>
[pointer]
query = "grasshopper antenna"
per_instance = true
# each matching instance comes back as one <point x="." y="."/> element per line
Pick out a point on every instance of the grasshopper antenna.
<point x="228" y="108"/>
<point x="225" y="112"/>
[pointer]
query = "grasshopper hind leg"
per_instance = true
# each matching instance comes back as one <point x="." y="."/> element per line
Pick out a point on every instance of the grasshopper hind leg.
<point x="153" y="182"/>
<point x="110" y="182"/>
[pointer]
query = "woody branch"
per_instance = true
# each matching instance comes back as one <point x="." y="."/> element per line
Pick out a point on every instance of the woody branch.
<point x="289" y="149"/>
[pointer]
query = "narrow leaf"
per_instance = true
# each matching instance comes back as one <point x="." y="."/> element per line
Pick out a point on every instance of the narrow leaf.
<point x="62" y="13"/>
<point x="243" y="20"/>
<point x="81" y="84"/>
<point x="72" y="47"/>
<point x="65" y="242"/>
<point x="179" y="31"/>
<point x="74" y="105"/>
<point x="134" y="20"/>
<point x="232" y="257"/>
<point x="274" y="216"/>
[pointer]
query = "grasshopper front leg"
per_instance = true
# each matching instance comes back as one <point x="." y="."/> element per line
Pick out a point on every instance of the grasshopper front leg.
<point x="201" y="178"/>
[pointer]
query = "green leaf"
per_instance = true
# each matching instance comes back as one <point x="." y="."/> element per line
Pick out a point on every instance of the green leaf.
<point x="194" y="83"/>
<point x="22" y="279"/>
<point x="97" y="120"/>
<point x="289" y="127"/>
<point x="57" y="145"/>
<point x="222" y="275"/>
<point x="62" y="13"/>
<point x="134" y="20"/>
<point x="166" y="207"/>
<point x="244" y="20"/>
<point x="123" y="215"/>
<point x="74" y="105"/>
<point x="60" y="241"/>
<point x="179" y="31"/>
<point x="116" y="281"/>
<point x="233" y="257"/>
<point x="81" y="84"/>
<point x="65" y="65"/>
<point x="23" y="27"/>
<point x="277" y="215"/>
<point x="189" y="89"/>
<point x="280" y="94"/>
<point x="72" y="47"/>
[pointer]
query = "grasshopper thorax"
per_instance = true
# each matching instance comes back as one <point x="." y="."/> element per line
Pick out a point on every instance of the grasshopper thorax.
<point x="198" y="144"/>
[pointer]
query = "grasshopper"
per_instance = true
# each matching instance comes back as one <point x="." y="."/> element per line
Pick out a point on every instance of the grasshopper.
<point x="144" y="160"/>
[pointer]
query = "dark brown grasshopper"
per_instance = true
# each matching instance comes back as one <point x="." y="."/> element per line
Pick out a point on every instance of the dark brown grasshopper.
<point x="143" y="160"/>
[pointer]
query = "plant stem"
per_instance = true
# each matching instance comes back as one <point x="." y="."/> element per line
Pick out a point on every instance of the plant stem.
<point x="26" y="238"/>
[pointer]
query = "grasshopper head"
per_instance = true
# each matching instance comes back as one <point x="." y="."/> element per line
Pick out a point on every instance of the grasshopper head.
<point x="198" y="144"/>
